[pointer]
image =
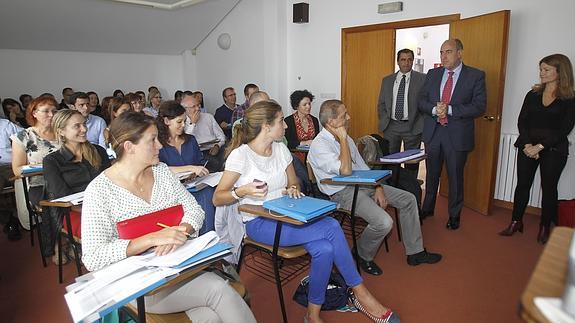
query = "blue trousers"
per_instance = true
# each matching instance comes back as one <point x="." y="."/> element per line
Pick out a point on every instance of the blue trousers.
<point x="324" y="241"/>
<point x="204" y="199"/>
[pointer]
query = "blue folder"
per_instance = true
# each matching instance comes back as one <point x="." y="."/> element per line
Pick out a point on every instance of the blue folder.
<point x="205" y="254"/>
<point x="363" y="176"/>
<point x="27" y="169"/>
<point x="303" y="209"/>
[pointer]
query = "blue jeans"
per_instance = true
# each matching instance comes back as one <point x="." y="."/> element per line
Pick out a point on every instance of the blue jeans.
<point x="323" y="240"/>
<point x="204" y="199"/>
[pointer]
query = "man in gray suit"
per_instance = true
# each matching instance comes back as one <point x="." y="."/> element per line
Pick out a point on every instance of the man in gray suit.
<point x="399" y="118"/>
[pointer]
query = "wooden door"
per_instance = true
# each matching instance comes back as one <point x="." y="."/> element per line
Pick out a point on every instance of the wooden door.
<point x="367" y="57"/>
<point x="485" y="47"/>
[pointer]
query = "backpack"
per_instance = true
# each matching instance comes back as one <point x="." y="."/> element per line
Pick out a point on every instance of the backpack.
<point x="336" y="293"/>
<point x="369" y="148"/>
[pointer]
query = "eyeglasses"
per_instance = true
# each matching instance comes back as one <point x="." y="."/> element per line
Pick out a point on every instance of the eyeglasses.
<point x="47" y="111"/>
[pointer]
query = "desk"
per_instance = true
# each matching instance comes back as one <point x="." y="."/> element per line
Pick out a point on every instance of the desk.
<point x="356" y="186"/>
<point x="548" y="278"/>
<point x="32" y="214"/>
<point x="208" y="144"/>
<point x="396" y="167"/>
<point x="69" y="233"/>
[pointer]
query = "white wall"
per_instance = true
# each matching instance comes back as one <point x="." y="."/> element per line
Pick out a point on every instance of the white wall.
<point x="36" y="72"/>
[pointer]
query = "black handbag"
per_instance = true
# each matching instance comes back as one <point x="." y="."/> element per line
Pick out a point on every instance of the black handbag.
<point x="336" y="293"/>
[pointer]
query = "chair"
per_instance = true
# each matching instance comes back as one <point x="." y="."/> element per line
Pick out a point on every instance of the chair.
<point x="279" y="255"/>
<point x="71" y="220"/>
<point x="179" y="317"/>
<point x="343" y="213"/>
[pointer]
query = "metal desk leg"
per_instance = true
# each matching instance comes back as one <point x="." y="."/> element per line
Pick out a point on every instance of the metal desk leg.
<point x="275" y="261"/>
<point x="141" y="309"/>
<point x="354" y="239"/>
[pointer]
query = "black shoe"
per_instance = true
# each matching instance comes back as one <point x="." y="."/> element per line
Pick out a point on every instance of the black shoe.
<point x="13" y="231"/>
<point x="452" y="224"/>
<point x="369" y="267"/>
<point x="423" y="257"/>
<point x="425" y="214"/>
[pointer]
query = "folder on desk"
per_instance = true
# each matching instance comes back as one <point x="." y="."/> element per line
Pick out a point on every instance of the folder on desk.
<point x="302" y="209"/>
<point x="363" y="176"/>
<point x="403" y="156"/>
<point x="147" y="223"/>
<point x="302" y="147"/>
<point x="27" y="169"/>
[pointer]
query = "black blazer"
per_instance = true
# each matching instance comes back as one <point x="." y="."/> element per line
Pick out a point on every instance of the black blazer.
<point x="291" y="132"/>
<point x="63" y="176"/>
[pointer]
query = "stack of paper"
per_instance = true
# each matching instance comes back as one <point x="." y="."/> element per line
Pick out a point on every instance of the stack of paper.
<point x="74" y="199"/>
<point x="211" y="179"/>
<point x="403" y="156"/>
<point x="98" y="293"/>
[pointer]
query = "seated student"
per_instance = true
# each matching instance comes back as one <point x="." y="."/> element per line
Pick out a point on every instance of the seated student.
<point x="223" y="114"/>
<point x="94" y="104"/>
<point x="201" y="96"/>
<point x="25" y="99"/>
<point x="333" y="153"/>
<point x="239" y="112"/>
<point x="181" y="152"/>
<point x="255" y="154"/>
<point x="8" y="129"/>
<point x="71" y="168"/>
<point x="136" y="101"/>
<point x="13" y="112"/>
<point x="204" y="127"/>
<point x="178" y="96"/>
<point x="95" y="124"/>
<point x="137" y="184"/>
<point x="118" y="94"/>
<point x="115" y="106"/>
<point x="67" y="93"/>
<point x="154" y="101"/>
<point x="302" y="127"/>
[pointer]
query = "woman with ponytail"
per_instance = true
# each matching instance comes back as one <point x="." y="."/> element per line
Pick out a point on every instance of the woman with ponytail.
<point x="70" y="169"/>
<point x="258" y="168"/>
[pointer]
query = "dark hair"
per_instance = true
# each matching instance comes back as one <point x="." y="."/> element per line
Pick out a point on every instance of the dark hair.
<point x="170" y="110"/>
<point x="118" y="92"/>
<point x="224" y="91"/>
<point x="66" y="89"/>
<point x="565" y="76"/>
<point x="113" y="104"/>
<point x="78" y="95"/>
<point x="153" y="87"/>
<point x="141" y="93"/>
<point x="41" y="100"/>
<point x="458" y="43"/>
<point x="24" y="96"/>
<point x="256" y="116"/>
<point x="129" y="126"/>
<point x="178" y="93"/>
<point x="6" y="103"/>
<point x="248" y="87"/>
<point x="405" y="51"/>
<point x="93" y="93"/>
<point x="298" y="95"/>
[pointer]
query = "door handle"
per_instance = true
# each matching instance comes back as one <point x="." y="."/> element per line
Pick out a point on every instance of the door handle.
<point x="489" y="118"/>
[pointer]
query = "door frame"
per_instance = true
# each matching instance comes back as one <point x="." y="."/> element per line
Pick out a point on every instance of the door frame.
<point x="421" y="22"/>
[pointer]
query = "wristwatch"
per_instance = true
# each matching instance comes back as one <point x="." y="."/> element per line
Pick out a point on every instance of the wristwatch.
<point x="235" y="194"/>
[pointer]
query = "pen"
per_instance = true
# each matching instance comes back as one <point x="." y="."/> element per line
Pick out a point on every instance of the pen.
<point x="168" y="227"/>
<point x="205" y="164"/>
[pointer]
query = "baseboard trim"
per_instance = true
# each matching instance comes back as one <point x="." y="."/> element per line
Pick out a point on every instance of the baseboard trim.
<point x="509" y="206"/>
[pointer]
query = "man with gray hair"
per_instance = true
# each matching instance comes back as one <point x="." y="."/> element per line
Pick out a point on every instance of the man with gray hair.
<point x="333" y="153"/>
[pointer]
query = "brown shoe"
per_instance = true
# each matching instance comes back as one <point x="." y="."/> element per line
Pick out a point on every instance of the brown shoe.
<point x="512" y="228"/>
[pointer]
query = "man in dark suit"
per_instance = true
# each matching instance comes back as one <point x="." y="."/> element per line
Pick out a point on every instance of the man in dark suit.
<point x="400" y="120"/>
<point x="451" y="98"/>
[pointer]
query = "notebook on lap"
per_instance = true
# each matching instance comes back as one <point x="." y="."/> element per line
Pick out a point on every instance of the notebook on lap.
<point x="147" y="223"/>
<point x="302" y="209"/>
<point x="363" y="176"/>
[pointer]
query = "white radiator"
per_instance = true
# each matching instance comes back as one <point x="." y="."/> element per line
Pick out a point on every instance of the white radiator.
<point x="507" y="173"/>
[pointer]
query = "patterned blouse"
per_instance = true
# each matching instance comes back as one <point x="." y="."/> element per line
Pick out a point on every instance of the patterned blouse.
<point x="36" y="149"/>
<point x="106" y="204"/>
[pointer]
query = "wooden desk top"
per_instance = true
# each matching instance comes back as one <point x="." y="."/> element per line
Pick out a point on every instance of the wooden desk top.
<point x="411" y="161"/>
<point x="40" y="173"/>
<point x="259" y="210"/>
<point x="550" y="274"/>
<point x="329" y="181"/>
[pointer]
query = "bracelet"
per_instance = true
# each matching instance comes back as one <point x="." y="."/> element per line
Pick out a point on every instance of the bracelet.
<point x="235" y="194"/>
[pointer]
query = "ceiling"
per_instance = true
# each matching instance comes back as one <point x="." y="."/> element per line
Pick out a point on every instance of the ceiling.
<point x="107" y="26"/>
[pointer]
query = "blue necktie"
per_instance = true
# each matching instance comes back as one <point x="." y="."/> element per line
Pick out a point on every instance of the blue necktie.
<point x="400" y="99"/>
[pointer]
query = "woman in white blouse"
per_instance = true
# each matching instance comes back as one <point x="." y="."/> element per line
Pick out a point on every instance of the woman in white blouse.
<point x="137" y="184"/>
<point x="258" y="169"/>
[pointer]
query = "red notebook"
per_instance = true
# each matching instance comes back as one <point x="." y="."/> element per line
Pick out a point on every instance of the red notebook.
<point x="147" y="223"/>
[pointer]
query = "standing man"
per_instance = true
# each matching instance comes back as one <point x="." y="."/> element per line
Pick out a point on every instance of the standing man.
<point x="399" y="119"/>
<point x="451" y="98"/>
<point x="224" y="113"/>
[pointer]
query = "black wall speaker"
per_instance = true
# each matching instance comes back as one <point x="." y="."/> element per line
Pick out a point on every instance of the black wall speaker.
<point x="300" y="13"/>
